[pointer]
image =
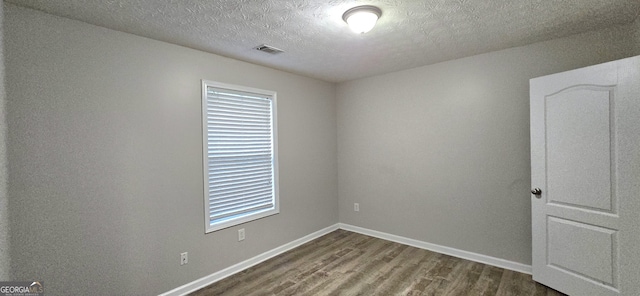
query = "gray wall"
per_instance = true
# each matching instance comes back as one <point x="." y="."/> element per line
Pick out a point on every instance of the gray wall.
<point x="105" y="158"/>
<point x="105" y="155"/>
<point x="441" y="153"/>
<point x="4" y="221"/>
<point x="637" y="34"/>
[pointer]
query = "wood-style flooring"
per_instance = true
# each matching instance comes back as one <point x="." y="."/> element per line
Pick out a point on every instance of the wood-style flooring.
<point x="347" y="263"/>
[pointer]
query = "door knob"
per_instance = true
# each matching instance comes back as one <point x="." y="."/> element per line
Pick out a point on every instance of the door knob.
<point x="536" y="191"/>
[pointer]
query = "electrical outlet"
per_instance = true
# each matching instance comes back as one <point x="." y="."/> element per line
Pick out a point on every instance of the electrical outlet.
<point x="184" y="258"/>
<point x="356" y="207"/>
<point x="241" y="234"/>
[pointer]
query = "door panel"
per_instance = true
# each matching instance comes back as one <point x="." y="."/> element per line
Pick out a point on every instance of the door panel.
<point x="578" y="140"/>
<point x="570" y="257"/>
<point x="585" y="158"/>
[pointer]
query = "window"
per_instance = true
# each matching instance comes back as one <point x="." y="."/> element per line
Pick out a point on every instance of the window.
<point x="239" y="153"/>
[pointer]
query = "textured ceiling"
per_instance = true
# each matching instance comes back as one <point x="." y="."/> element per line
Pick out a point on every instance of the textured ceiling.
<point x="317" y="42"/>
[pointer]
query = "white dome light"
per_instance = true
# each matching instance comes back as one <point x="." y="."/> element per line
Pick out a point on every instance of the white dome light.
<point x="361" y="19"/>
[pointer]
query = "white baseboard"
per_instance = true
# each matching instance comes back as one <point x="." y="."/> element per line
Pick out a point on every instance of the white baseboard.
<point x="502" y="263"/>
<point x="231" y="270"/>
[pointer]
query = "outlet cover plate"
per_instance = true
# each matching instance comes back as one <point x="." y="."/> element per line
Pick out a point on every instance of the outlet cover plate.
<point x="184" y="258"/>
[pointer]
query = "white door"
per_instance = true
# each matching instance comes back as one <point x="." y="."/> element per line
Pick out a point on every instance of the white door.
<point x="585" y="159"/>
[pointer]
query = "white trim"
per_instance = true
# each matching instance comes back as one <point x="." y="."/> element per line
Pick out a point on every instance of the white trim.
<point x="234" y="87"/>
<point x="502" y="263"/>
<point x="231" y="270"/>
<point x="247" y="217"/>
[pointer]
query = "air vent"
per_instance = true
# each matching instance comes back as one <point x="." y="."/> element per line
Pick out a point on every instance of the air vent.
<point x="269" y="49"/>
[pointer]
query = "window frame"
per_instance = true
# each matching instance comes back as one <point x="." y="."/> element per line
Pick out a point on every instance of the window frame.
<point x="272" y="95"/>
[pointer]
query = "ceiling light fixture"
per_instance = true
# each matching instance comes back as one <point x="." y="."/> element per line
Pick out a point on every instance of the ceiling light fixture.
<point x="361" y="19"/>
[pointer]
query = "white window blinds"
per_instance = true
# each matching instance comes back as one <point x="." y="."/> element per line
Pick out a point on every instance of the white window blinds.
<point x="240" y="166"/>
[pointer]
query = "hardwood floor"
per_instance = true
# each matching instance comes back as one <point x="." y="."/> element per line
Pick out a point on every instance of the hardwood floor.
<point x="347" y="263"/>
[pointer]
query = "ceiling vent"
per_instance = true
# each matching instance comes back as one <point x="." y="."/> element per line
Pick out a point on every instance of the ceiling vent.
<point x="269" y="49"/>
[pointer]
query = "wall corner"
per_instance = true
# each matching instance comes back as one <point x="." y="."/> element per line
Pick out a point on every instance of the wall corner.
<point x="4" y="200"/>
